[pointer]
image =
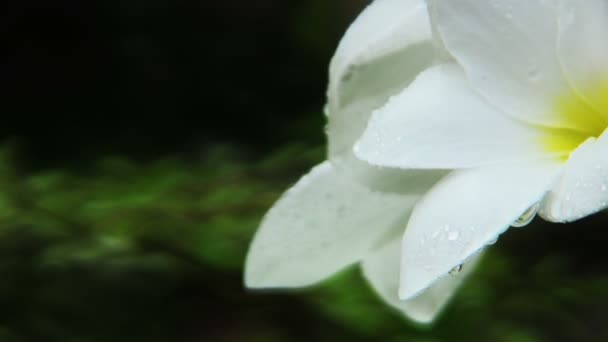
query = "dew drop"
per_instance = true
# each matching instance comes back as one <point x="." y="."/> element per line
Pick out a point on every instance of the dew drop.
<point x="453" y="235"/>
<point x="526" y="217"/>
<point x="348" y="74"/>
<point x="454" y="271"/>
<point x="534" y="74"/>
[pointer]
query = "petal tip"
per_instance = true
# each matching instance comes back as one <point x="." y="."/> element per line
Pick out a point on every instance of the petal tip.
<point x="359" y="151"/>
<point x="423" y="319"/>
<point x="369" y="152"/>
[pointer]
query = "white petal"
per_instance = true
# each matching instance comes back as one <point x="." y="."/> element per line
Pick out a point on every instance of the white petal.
<point x="583" y="49"/>
<point x="382" y="51"/>
<point x="508" y="50"/>
<point x="440" y="122"/>
<point x="389" y="180"/>
<point x="322" y="224"/>
<point x="463" y="213"/>
<point x="382" y="271"/>
<point x="582" y="189"/>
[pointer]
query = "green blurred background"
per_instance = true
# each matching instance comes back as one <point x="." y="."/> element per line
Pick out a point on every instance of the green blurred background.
<point x="142" y="142"/>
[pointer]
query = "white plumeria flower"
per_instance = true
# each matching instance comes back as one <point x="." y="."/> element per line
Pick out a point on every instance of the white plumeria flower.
<point x="345" y="211"/>
<point x="519" y="114"/>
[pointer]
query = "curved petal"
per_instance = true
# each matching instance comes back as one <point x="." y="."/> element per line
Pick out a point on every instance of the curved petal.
<point x="582" y="189"/>
<point x="463" y="213"/>
<point x="508" y="50"/>
<point x="385" y="179"/>
<point x="440" y="122"/>
<point x="322" y="224"/>
<point x="583" y="49"/>
<point x="381" y="52"/>
<point x="381" y="269"/>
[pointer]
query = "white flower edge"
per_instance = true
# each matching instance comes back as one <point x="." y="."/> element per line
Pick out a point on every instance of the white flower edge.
<point x="380" y="54"/>
<point x="345" y="211"/>
<point x="364" y="46"/>
<point x="381" y="269"/>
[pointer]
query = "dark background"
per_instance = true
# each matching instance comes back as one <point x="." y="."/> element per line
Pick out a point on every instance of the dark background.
<point x="85" y="78"/>
<point x="141" y="144"/>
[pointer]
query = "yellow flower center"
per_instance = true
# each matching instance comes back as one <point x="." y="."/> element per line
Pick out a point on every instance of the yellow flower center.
<point x="587" y="120"/>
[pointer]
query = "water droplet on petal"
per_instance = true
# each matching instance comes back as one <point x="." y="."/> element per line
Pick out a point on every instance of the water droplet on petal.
<point x="534" y="74"/>
<point x="435" y="234"/>
<point x="534" y="71"/>
<point x="454" y="271"/>
<point x="348" y="74"/>
<point x="526" y="217"/>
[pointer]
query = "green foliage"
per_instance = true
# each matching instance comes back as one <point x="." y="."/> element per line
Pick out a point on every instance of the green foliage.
<point x="128" y="251"/>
